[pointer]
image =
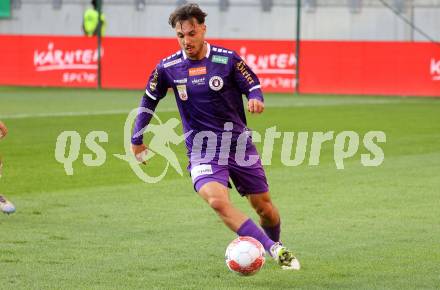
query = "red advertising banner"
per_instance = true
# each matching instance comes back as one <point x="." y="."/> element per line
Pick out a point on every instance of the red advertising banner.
<point x="273" y="61"/>
<point x="370" y="68"/>
<point x="129" y="61"/>
<point x="48" y="61"/>
<point x="336" y="67"/>
<point x="126" y="62"/>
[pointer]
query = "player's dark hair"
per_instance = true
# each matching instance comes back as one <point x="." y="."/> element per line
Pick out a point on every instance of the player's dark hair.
<point x="187" y="12"/>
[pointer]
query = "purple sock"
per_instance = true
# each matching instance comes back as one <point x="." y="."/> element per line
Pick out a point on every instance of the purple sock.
<point x="273" y="232"/>
<point x="249" y="228"/>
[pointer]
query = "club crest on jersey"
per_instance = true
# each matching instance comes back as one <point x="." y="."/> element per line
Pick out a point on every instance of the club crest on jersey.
<point x="216" y="83"/>
<point x="181" y="90"/>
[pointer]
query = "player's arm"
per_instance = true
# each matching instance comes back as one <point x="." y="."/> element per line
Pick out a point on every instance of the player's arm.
<point x="249" y="84"/>
<point x="3" y="130"/>
<point x="156" y="89"/>
<point x="142" y="120"/>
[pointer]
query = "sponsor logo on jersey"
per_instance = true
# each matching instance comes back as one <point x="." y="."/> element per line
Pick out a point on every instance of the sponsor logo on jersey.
<point x="216" y="83"/>
<point x="242" y="68"/>
<point x="198" y="81"/>
<point x="197" y="71"/>
<point x="220" y="59"/>
<point x="171" y="63"/>
<point x="204" y="169"/>
<point x="153" y="82"/>
<point x="181" y="81"/>
<point x="181" y="90"/>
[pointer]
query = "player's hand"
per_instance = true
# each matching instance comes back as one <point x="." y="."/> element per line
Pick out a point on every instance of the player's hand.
<point x="139" y="151"/>
<point x="255" y="106"/>
<point x="3" y="130"/>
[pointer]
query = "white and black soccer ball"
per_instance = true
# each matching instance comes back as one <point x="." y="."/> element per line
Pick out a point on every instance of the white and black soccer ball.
<point x="245" y="256"/>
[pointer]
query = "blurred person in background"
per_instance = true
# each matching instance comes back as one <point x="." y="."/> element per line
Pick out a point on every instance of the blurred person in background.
<point x="91" y="20"/>
<point x="5" y="205"/>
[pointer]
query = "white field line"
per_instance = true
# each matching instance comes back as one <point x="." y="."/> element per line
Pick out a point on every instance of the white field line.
<point x="74" y="114"/>
<point x="279" y="104"/>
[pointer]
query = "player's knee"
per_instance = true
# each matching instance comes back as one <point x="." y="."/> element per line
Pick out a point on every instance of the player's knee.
<point x="219" y="205"/>
<point x="265" y="210"/>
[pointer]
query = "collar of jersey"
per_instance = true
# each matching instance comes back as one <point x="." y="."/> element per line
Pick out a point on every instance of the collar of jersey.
<point x="208" y="52"/>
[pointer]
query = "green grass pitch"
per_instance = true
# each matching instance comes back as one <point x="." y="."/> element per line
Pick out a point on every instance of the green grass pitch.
<point x="102" y="228"/>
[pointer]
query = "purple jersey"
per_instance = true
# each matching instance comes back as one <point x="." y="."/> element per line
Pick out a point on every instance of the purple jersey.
<point x="208" y="91"/>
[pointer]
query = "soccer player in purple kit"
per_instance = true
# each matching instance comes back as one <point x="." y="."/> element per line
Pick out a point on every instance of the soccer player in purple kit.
<point x="208" y="83"/>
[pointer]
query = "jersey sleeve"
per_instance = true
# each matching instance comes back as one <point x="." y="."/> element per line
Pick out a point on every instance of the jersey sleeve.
<point x="156" y="89"/>
<point x="145" y="113"/>
<point x="157" y="85"/>
<point x="246" y="79"/>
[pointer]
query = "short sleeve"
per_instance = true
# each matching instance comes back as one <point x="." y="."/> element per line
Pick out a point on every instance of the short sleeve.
<point x="246" y="79"/>
<point x="157" y="85"/>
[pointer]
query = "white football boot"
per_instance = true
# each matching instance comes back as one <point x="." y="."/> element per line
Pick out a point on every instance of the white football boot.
<point x="285" y="258"/>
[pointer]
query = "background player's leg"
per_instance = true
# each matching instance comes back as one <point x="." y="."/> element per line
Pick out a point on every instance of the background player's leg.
<point x="217" y="196"/>
<point x="6" y="206"/>
<point x="269" y="215"/>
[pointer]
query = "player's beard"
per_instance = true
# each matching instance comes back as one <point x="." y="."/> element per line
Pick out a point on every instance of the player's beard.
<point x="193" y="51"/>
<point x="190" y="50"/>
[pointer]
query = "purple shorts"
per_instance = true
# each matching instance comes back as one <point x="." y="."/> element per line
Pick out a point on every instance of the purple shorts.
<point x="247" y="178"/>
